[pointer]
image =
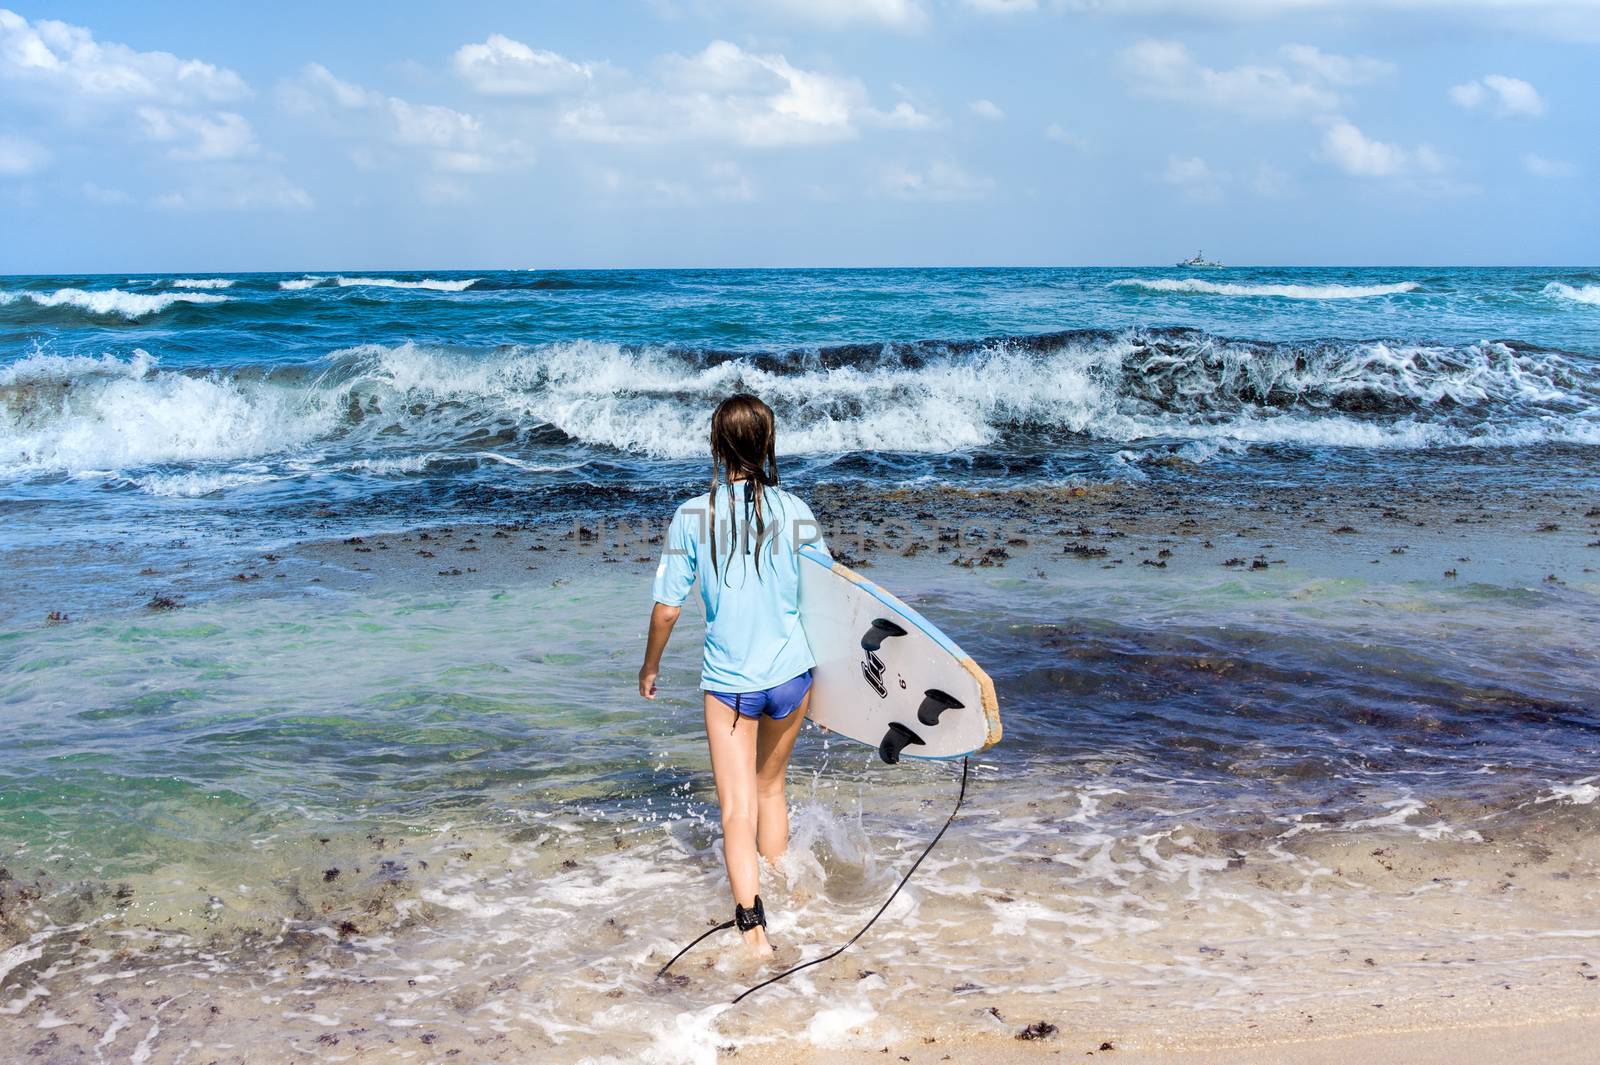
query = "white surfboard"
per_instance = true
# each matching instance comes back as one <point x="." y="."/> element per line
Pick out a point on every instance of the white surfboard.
<point x="886" y="675"/>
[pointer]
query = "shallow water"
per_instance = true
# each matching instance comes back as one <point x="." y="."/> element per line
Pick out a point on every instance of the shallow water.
<point x="381" y="815"/>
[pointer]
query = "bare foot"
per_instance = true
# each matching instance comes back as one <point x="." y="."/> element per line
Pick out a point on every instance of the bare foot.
<point x="755" y="941"/>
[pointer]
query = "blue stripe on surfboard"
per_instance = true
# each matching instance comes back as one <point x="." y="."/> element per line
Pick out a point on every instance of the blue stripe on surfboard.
<point x="888" y="599"/>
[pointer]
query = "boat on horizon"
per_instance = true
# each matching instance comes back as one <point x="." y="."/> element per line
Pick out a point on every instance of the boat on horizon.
<point x="1199" y="259"/>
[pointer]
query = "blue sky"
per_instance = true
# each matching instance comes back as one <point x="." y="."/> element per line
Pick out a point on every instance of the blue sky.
<point x="158" y="137"/>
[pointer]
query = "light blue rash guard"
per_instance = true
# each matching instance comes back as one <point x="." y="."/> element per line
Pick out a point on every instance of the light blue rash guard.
<point x="753" y="635"/>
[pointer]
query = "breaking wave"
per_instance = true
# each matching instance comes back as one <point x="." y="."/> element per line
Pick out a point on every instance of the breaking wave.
<point x="1589" y="294"/>
<point x="376" y="404"/>
<point x="1289" y="292"/>
<point x="203" y="282"/>
<point x="427" y="283"/>
<point x="111" y="302"/>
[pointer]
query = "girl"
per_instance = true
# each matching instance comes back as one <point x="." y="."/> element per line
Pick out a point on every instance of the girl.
<point x="740" y="539"/>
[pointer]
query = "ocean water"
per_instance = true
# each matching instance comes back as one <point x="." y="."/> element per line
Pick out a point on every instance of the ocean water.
<point x="410" y="816"/>
<point x="198" y="404"/>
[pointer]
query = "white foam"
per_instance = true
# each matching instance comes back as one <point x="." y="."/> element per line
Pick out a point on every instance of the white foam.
<point x="395" y="409"/>
<point x="123" y="414"/>
<point x="426" y="283"/>
<point x="60" y="369"/>
<point x="297" y="284"/>
<point x="1589" y="294"/>
<point x="1288" y="291"/>
<point x="198" y="483"/>
<point x="203" y="282"/>
<point x="112" y="301"/>
<point x="17" y="955"/>
<point x="1580" y="792"/>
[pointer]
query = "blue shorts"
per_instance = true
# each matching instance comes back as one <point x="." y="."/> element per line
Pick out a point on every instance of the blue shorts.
<point x="776" y="702"/>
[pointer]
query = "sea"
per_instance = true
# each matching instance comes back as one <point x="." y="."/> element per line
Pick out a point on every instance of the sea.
<point x="403" y="816"/>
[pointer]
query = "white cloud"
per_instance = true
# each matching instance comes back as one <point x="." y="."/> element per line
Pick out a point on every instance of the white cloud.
<point x="199" y="136"/>
<point x="1058" y="133"/>
<point x="1337" y="69"/>
<point x="378" y="125"/>
<point x="986" y="109"/>
<point x="902" y="115"/>
<point x="1541" y="166"/>
<point x="1504" y="96"/>
<point x="504" y="67"/>
<point x="93" y="90"/>
<point x="1352" y="151"/>
<point x="724" y="93"/>
<point x="1002" y="7"/>
<point x="102" y="195"/>
<point x="728" y="182"/>
<point x="940" y="182"/>
<point x="1165" y="70"/>
<point x="1195" y="177"/>
<point x="837" y="14"/>
<point x="1562" y="19"/>
<point x="67" y="59"/>
<point x="1268" y="180"/>
<point x="238" y="192"/>
<point x="722" y="182"/>
<point x="20" y="156"/>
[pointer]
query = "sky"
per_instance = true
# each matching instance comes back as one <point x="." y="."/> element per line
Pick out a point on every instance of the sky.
<point x="679" y="133"/>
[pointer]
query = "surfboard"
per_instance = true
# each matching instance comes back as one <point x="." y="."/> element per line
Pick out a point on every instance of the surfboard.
<point x="886" y="675"/>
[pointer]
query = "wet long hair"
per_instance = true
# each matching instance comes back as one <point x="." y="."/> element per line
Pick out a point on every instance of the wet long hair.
<point x="743" y="448"/>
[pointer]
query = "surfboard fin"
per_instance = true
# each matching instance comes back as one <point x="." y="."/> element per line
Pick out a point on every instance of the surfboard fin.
<point x="934" y="703"/>
<point x="882" y="629"/>
<point x="896" y="740"/>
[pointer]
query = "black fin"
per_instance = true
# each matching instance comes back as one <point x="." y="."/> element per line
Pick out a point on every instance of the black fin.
<point x="934" y="703"/>
<point x="882" y="629"/>
<point x="896" y="740"/>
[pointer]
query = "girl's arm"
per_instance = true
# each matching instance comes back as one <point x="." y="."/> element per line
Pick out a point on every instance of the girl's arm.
<point x="662" y="618"/>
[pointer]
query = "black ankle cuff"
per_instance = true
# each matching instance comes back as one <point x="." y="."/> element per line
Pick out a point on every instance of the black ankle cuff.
<point x="754" y="917"/>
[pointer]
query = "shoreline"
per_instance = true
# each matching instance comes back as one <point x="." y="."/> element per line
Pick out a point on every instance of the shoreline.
<point x="1457" y="535"/>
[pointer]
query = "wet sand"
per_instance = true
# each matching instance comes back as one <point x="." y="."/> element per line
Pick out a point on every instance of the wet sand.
<point x="1459" y="1039"/>
<point x="1458" y="536"/>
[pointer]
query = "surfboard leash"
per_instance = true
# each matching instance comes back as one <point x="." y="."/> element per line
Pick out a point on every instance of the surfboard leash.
<point x="961" y="797"/>
<point x="723" y="927"/>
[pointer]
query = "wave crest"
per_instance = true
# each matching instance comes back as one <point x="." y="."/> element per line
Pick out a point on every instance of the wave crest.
<point x="1195" y="285"/>
<point x="376" y="402"/>
<point x="427" y="283"/>
<point x="1589" y="294"/>
<point x="112" y="302"/>
<point x="202" y="282"/>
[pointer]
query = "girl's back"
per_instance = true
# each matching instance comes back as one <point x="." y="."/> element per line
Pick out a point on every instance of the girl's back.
<point x="749" y="581"/>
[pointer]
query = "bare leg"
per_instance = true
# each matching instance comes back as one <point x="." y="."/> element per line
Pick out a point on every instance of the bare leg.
<point x="773" y="747"/>
<point x="733" y="763"/>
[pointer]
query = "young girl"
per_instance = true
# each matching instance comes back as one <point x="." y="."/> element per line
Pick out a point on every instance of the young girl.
<point x="740" y="539"/>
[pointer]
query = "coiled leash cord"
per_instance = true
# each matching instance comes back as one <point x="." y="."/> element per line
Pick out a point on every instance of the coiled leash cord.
<point x="960" y="798"/>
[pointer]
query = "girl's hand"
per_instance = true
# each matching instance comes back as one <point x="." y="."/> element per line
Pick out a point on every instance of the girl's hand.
<point x="662" y="618"/>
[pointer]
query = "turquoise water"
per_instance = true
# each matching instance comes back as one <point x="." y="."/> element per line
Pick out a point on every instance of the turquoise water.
<point x="193" y="407"/>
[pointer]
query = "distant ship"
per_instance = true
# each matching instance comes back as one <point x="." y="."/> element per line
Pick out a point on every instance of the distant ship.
<point x="1199" y="259"/>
